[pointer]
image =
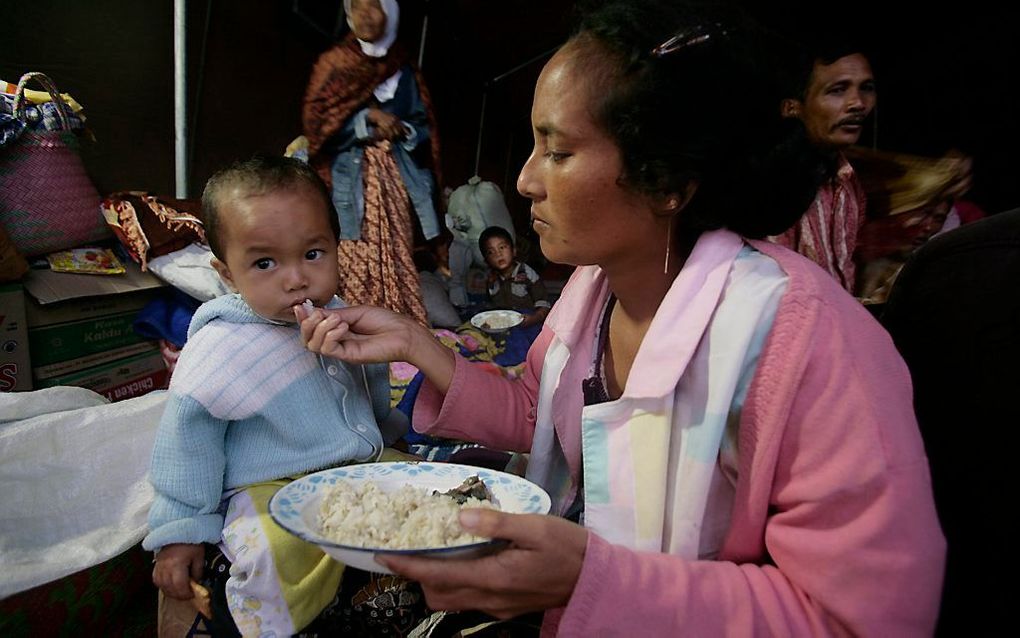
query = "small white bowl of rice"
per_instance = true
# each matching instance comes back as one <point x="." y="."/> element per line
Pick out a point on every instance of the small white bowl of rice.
<point x="497" y="321"/>
<point x="358" y="511"/>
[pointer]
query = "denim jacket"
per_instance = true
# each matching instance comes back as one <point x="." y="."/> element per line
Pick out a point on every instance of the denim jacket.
<point x="348" y="186"/>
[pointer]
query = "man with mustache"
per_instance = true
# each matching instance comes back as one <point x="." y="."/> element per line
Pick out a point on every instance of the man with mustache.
<point x="834" y="96"/>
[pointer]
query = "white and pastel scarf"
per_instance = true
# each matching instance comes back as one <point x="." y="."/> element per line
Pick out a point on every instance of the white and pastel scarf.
<point x="652" y="458"/>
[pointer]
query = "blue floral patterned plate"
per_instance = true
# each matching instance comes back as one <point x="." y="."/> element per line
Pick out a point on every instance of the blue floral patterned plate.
<point x="296" y="506"/>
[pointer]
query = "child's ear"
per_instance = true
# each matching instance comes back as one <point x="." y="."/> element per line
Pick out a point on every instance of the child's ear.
<point x="224" y="272"/>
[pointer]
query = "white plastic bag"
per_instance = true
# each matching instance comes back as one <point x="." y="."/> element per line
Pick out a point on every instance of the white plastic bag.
<point x="74" y="483"/>
<point x="474" y="207"/>
<point x="189" y="270"/>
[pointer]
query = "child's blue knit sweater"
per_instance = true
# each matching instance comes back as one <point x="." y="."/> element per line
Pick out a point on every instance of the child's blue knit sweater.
<point x="248" y="403"/>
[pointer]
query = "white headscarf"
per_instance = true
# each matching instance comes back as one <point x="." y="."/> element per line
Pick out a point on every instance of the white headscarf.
<point x="388" y="88"/>
<point x="379" y="48"/>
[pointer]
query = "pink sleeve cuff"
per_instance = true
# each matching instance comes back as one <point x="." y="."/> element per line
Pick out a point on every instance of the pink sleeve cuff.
<point x="432" y="407"/>
<point x="584" y="602"/>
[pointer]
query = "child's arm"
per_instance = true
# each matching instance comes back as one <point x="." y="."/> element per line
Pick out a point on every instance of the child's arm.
<point x="393" y="424"/>
<point x="536" y="317"/>
<point x="187" y="473"/>
<point x="176" y="566"/>
<point x="188" y="465"/>
<point x="539" y="295"/>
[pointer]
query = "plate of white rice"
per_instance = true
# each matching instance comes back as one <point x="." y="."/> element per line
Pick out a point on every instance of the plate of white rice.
<point x="497" y="321"/>
<point x="358" y="511"/>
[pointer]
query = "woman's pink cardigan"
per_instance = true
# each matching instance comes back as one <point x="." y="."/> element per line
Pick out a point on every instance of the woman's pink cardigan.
<point x="833" y="529"/>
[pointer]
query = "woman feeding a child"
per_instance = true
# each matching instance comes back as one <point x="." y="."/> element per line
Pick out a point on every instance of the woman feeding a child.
<point x="727" y="436"/>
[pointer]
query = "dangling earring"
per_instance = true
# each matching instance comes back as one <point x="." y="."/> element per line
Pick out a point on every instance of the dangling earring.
<point x="674" y="204"/>
<point x="669" y="240"/>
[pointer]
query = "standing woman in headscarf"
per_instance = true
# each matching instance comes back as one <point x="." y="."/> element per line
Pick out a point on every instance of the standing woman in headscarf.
<point x="372" y="138"/>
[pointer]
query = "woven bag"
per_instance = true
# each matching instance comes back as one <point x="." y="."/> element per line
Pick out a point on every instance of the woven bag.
<point x="47" y="201"/>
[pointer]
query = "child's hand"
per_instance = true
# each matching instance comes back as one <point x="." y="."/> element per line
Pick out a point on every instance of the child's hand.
<point x="176" y="566"/>
<point x="535" y="318"/>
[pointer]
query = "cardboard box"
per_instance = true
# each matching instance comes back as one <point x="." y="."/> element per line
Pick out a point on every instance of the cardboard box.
<point x="119" y="379"/>
<point x="48" y="287"/>
<point x="77" y="322"/>
<point x="86" y="327"/>
<point x="15" y="373"/>
<point x="79" y="330"/>
<point x="156" y="380"/>
<point x="67" y="341"/>
<point x="83" y="363"/>
<point x="81" y="309"/>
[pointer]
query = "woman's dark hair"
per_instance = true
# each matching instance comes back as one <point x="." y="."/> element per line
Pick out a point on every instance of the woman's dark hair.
<point x="253" y="178"/>
<point x="705" y="108"/>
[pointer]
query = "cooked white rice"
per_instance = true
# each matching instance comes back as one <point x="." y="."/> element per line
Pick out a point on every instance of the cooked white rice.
<point x="500" y="321"/>
<point x="409" y="518"/>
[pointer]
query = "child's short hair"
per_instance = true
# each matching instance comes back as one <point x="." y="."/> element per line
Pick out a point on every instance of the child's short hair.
<point x="259" y="176"/>
<point x="494" y="232"/>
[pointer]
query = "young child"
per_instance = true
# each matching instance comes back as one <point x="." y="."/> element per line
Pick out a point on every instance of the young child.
<point x="250" y="408"/>
<point x="512" y="284"/>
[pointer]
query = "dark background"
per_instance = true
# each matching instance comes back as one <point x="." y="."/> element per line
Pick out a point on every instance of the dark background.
<point x="946" y="76"/>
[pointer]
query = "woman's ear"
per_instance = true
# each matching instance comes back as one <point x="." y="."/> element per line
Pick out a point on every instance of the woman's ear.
<point x="675" y="202"/>
<point x="224" y="272"/>
<point x="789" y="107"/>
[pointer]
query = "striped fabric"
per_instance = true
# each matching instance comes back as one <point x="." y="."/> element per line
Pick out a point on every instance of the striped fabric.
<point x="827" y="233"/>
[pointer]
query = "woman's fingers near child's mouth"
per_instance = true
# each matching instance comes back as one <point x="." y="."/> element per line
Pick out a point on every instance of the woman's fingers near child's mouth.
<point x="332" y="331"/>
<point x="322" y="328"/>
<point x="304" y="310"/>
<point x="337" y="334"/>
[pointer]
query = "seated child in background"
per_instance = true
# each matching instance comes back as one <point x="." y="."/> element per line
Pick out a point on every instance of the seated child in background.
<point x="435" y="290"/>
<point x="512" y="284"/>
<point x="249" y="407"/>
<point x="516" y="286"/>
<point x="453" y="261"/>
